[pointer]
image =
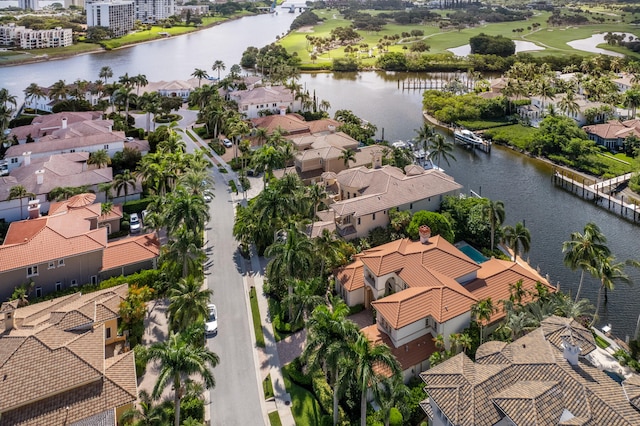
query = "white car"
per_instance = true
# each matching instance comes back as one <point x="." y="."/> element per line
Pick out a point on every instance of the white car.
<point x="227" y="143"/>
<point x="134" y="223"/>
<point x="211" y="325"/>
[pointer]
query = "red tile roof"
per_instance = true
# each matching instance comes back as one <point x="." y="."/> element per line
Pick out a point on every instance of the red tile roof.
<point x="129" y="251"/>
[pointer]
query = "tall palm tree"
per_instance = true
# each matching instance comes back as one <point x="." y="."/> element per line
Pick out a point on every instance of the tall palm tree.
<point x="267" y="158"/>
<point x="106" y="188"/>
<point x="33" y="91"/>
<point x="304" y="298"/>
<point x="59" y="90"/>
<point x="584" y="249"/>
<point x="100" y="158"/>
<point x="517" y="237"/>
<point x="329" y="248"/>
<point x="105" y="73"/>
<point x="179" y="360"/>
<point x="482" y="312"/>
<point x="389" y="393"/>
<point x="316" y="194"/>
<point x="291" y="257"/>
<point x="188" y="302"/>
<point x="424" y="135"/>
<point x="124" y="181"/>
<point x="187" y="210"/>
<point x="441" y="149"/>
<point x="329" y="334"/>
<point x="148" y="414"/>
<point x="608" y="271"/>
<point x="149" y="102"/>
<point x="199" y="74"/>
<point x="494" y="211"/>
<point x="217" y="66"/>
<point x="369" y="359"/>
<point x="19" y="192"/>
<point x="568" y="104"/>
<point x="139" y="80"/>
<point x="7" y="98"/>
<point x="123" y="97"/>
<point x="184" y="249"/>
<point x="348" y="156"/>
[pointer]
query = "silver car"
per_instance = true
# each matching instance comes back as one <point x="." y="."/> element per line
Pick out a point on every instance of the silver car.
<point x="211" y="326"/>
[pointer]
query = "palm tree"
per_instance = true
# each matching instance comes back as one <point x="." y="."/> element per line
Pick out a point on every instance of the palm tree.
<point x="267" y="158"/>
<point x="199" y="74"/>
<point x="292" y="257"/>
<point x="304" y="298"/>
<point x="59" y="90"/>
<point x="139" y="80"/>
<point x="106" y="73"/>
<point x="424" y="135"/>
<point x="123" y="97"/>
<point x="33" y="91"/>
<point x="184" y="249"/>
<point x="7" y="98"/>
<point x="389" y="393"/>
<point x="188" y="303"/>
<point x="517" y="324"/>
<point x="348" y="156"/>
<point x="148" y="415"/>
<point x="441" y="149"/>
<point x="516" y="237"/>
<point x="608" y="272"/>
<point x="368" y="360"/>
<point x="482" y="312"/>
<point x="124" y="181"/>
<point x="584" y="249"/>
<point x="188" y="210"/>
<point x="329" y="334"/>
<point x="568" y="104"/>
<point x="19" y="192"/>
<point x="178" y="360"/>
<point x="494" y="210"/>
<point x="217" y="66"/>
<point x="106" y="188"/>
<point x="149" y="102"/>
<point x="100" y="158"/>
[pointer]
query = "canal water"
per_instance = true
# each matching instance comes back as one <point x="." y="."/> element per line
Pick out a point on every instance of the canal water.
<point x="522" y="183"/>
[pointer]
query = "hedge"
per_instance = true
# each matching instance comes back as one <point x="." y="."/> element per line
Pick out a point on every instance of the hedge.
<point x="135" y="206"/>
<point x="324" y="393"/>
<point x="294" y="371"/>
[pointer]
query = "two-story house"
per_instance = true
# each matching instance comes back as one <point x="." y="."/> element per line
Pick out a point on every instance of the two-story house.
<point x="420" y="289"/>
<point x="364" y="196"/>
<point x="69" y="248"/>
<point x="613" y="133"/>
<point x="64" y="363"/>
<point x="270" y="98"/>
<point x="539" y="379"/>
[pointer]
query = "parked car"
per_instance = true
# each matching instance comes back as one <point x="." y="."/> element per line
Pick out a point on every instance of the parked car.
<point x="227" y="143"/>
<point x="134" y="223"/>
<point x="211" y="326"/>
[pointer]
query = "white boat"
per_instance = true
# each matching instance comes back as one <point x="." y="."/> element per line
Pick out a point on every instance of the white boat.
<point x="467" y="137"/>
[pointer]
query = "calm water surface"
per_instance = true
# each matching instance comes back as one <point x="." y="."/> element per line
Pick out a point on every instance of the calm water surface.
<point x="523" y="184"/>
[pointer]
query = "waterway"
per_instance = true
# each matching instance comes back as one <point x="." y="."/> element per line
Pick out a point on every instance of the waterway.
<point x="522" y="183"/>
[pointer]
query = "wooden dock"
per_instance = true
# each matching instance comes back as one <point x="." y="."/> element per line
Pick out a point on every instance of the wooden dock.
<point x="464" y="83"/>
<point x="598" y="194"/>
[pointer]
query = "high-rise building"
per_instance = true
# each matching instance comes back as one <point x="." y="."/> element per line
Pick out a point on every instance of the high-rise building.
<point x="26" y="38"/>
<point x="117" y="15"/>
<point x="28" y="4"/>
<point x="150" y="11"/>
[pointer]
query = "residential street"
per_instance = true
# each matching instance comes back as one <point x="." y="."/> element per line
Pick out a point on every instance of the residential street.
<point x="236" y="399"/>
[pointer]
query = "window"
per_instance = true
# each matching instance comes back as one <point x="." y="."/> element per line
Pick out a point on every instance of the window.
<point x="32" y="271"/>
<point x="72" y="150"/>
<point x="14" y="160"/>
<point x="374" y="216"/>
<point x="60" y="262"/>
<point x="108" y="333"/>
<point x="411" y="206"/>
<point x="74" y="283"/>
<point x="106" y="147"/>
<point x="94" y="279"/>
<point x="52" y="265"/>
<point x="275" y="105"/>
<point x="58" y="286"/>
<point x="38" y="291"/>
<point x="358" y="221"/>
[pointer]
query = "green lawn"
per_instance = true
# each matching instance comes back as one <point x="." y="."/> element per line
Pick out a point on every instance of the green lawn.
<point x="274" y="419"/>
<point x="255" y="315"/>
<point x="304" y="406"/>
<point x="13" y="57"/>
<point x="515" y="134"/>
<point x="267" y="387"/>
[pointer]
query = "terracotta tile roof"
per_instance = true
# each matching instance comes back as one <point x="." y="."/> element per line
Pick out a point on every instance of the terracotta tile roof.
<point x="46" y="123"/>
<point x="495" y="278"/>
<point x="536" y="387"/>
<point x="352" y="276"/>
<point x="409" y="355"/>
<point x="292" y="123"/>
<point x="263" y="94"/>
<point x="129" y="251"/>
<point x="387" y="187"/>
<point x="615" y="129"/>
<point x="54" y="376"/>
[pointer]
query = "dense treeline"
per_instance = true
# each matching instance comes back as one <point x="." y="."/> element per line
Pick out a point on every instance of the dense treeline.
<point x="484" y="44"/>
<point x="473" y="15"/>
<point x="305" y="19"/>
<point x="47" y="22"/>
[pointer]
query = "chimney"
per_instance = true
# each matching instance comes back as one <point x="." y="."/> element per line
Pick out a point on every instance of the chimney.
<point x="64" y="123"/>
<point x="283" y="110"/>
<point x="571" y="350"/>
<point x="39" y="176"/>
<point x="377" y="160"/>
<point x="425" y="233"/>
<point x="26" y="158"/>
<point x="332" y="128"/>
<point x="9" y="322"/>
<point x="34" y="209"/>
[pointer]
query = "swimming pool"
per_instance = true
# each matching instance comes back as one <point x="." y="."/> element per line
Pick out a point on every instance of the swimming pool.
<point x="474" y="254"/>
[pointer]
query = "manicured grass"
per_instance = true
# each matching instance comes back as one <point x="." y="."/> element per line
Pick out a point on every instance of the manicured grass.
<point x="267" y="387"/>
<point x="305" y="408"/>
<point x="601" y="342"/>
<point x="274" y="419"/>
<point x="255" y="315"/>
<point x="483" y="125"/>
<point x="515" y="134"/>
<point x="556" y="38"/>
<point x="13" y="57"/>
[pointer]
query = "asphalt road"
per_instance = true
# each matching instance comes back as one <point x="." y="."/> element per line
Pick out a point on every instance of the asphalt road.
<point x="236" y="398"/>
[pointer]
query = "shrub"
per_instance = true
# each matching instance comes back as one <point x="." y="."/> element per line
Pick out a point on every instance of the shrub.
<point x="192" y="407"/>
<point x="295" y="372"/>
<point x="141" y="360"/>
<point x="438" y="223"/>
<point x="217" y="148"/>
<point x="135" y="206"/>
<point x="395" y="417"/>
<point x="322" y="391"/>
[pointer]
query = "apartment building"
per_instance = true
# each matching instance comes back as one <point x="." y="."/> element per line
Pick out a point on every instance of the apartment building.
<point x="26" y="38"/>
<point x="117" y="15"/>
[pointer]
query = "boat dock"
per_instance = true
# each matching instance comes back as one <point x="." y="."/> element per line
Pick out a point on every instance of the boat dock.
<point x="598" y="193"/>
<point x="471" y="140"/>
